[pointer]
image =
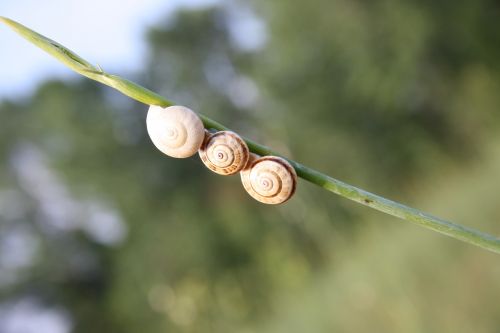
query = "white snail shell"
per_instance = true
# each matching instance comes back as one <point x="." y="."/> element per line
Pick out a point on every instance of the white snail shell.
<point x="176" y="130"/>
<point x="269" y="179"/>
<point x="224" y="153"/>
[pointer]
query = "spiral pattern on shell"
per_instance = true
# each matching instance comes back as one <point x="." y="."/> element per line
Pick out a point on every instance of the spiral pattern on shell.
<point x="270" y="179"/>
<point x="176" y="130"/>
<point x="224" y="153"/>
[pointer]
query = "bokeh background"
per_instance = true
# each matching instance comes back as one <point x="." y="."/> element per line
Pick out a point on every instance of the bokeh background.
<point x="99" y="232"/>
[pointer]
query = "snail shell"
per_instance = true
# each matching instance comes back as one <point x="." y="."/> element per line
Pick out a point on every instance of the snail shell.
<point x="269" y="179"/>
<point x="224" y="153"/>
<point x="176" y="131"/>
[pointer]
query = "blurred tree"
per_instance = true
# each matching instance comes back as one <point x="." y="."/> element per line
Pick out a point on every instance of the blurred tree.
<point x="128" y="240"/>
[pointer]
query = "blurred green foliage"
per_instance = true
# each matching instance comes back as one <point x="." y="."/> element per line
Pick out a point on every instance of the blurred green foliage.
<point x="398" y="97"/>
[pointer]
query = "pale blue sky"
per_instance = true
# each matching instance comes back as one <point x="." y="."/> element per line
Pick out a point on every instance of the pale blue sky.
<point x="109" y="32"/>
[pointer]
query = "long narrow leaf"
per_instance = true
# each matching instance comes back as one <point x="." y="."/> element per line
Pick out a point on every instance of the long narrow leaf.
<point x="149" y="97"/>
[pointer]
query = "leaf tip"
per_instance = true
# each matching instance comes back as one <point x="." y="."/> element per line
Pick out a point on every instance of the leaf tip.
<point x="10" y="23"/>
<point x="6" y="20"/>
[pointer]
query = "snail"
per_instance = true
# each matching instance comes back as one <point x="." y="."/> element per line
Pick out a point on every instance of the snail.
<point x="269" y="179"/>
<point x="179" y="132"/>
<point x="176" y="130"/>
<point x="224" y="153"/>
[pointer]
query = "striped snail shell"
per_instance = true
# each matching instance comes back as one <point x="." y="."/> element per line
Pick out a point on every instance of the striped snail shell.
<point x="269" y="179"/>
<point x="176" y="130"/>
<point x="224" y="153"/>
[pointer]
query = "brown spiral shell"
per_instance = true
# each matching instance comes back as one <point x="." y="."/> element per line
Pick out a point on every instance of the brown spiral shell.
<point x="269" y="179"/>
<point x="224" y="153"/>
<point x="176" y="131"/>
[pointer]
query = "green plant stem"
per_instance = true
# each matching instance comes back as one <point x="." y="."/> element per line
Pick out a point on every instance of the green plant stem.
<point x="149" y="97"/>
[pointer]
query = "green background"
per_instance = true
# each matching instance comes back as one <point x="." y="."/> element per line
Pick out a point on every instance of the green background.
<point x="401" y="98"/>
